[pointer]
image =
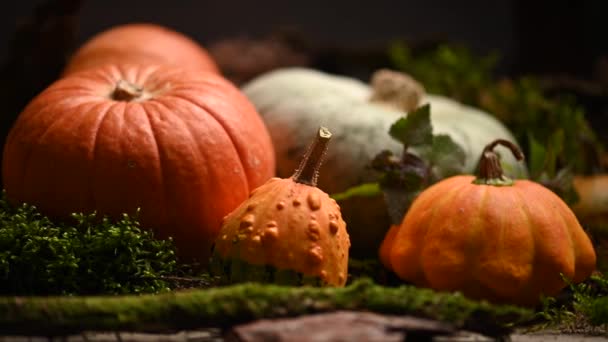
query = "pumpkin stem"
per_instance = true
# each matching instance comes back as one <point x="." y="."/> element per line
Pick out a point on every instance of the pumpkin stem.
<point x="396" y="89"/>
<point x="308" y="171"/>
<point x="490" y="170"/>
<point x="126" y="91"/>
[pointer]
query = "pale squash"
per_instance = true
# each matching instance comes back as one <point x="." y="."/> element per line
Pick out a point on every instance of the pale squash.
<point x="293" y="101"/>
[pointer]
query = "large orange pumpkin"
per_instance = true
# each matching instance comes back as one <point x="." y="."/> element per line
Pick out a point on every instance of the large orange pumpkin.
<point x="185" y="147"/>
<point x="490" y="238"/>
<point x="141" y="43"/>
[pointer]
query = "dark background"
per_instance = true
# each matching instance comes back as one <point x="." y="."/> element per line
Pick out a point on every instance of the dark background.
<point x="534" y="37"/>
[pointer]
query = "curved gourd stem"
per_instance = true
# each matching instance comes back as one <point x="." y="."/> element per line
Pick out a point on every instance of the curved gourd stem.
<point x="308" y="171"/>
<point x="490" y="171"/>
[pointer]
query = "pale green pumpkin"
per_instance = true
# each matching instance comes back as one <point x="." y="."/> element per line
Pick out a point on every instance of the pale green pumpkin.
<point x="293" y="101"/>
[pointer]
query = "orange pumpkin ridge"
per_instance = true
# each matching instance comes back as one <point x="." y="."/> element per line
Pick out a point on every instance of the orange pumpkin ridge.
<point x="490" y="237"/>
<point x="141" y="43"/>
<point x="186" y="148"/>
<point x="291" y="224"/>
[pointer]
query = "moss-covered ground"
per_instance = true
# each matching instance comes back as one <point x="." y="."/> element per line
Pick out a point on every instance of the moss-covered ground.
<point x="98" y="274"/>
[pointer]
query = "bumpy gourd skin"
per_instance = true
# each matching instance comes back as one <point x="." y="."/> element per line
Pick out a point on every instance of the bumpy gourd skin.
<point x="501" y="243"/>
<point x="290" y="226"/>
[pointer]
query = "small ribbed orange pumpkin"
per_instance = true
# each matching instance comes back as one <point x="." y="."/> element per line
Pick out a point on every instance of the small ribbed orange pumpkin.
<point x="490" y="238"/>
<point x="290" y="224"/>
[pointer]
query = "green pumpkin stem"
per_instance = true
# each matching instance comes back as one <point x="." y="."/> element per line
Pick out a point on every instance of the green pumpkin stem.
<point x="126" y="91"/>
<point x="490" y="171"/>
<point x="308" y="171"/>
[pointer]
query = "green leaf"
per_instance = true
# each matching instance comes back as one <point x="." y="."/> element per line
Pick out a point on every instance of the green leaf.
<point x="434" y="157"/>
<point x="556" y="147"/>
<point x="408" y="173"/>
<point x="362" y="190"/>
<point x="446" y="156"/>
<point x="536" y="157"/>
<point x="544" y="158"/>
<point x="549" y="123"/>
<point x="415" y="129"/>
<point x="563" y="181"/>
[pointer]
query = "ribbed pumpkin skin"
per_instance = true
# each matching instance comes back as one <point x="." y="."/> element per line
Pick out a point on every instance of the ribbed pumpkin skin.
<point x="507" y="244"/>
<point x="141" y="43"/>
<point x="187" y="153"/>
<point x="290" y="226"/>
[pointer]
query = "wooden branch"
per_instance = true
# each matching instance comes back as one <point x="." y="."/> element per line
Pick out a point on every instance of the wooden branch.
<point x="230" y="305"/>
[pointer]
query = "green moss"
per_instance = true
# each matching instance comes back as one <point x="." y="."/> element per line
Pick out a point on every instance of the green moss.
<point x="234" y="271"/>
<point x="597" y="311"/>
<point x="582" y="307"/>
<point x="97" y="256"/>
<point x="228" y="305"/>
<point x="591" y="300"/>
<point x="89" y="255"/>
